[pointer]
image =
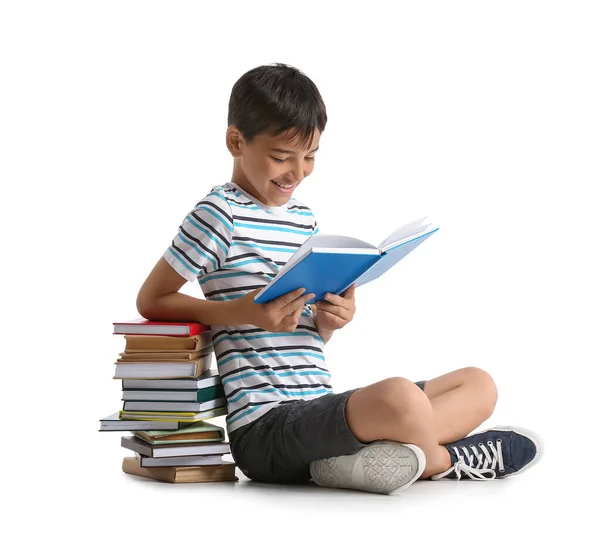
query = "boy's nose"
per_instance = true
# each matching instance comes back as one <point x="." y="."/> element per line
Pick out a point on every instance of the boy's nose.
<point x="298" y="173"/>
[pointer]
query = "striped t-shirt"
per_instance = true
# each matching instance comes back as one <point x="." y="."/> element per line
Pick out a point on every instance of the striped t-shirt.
<point x="233" y="243"/>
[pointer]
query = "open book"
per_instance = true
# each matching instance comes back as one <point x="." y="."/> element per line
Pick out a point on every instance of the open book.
<point x="328" y="263"/>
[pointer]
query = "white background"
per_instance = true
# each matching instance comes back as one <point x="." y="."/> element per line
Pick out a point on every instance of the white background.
<point x="482" y="115"/>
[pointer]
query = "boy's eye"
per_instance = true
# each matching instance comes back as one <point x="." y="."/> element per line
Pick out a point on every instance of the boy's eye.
<point x="280" y="161"/>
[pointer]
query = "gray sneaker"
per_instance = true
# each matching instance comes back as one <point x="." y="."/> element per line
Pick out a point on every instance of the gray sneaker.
<point x="379" y="467"/>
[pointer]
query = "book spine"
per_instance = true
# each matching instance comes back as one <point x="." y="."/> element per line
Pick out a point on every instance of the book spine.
<point x="167" y="343"/>
<point x="172" y="395"/>
<point x="187" y="384"/>
<point x="209" y="473"/>
<point x="172" y="406"/>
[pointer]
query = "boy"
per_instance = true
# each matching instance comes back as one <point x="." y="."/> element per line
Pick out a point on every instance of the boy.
<point x="284" y="422"/>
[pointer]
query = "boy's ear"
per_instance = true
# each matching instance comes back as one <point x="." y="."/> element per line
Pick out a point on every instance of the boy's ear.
<point x="234" y="141"/>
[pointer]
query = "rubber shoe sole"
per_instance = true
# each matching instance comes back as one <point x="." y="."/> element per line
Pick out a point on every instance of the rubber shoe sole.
<point x="380" y="467"/>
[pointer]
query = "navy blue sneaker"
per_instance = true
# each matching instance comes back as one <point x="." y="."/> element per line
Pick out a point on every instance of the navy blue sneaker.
<point x="495" y="453"/>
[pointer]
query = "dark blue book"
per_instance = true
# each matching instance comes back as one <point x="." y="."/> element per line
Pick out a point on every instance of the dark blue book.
<point x="328" y="263"/>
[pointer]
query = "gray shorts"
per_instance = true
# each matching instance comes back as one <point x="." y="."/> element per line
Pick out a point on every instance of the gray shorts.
<point x="279" y="446"/>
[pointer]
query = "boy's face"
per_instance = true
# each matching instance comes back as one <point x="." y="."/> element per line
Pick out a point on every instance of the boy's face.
<point x="271" y="167"/>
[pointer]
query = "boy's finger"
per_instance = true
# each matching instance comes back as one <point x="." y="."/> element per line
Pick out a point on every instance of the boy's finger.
<point x="298" y="304"/>
<point x="306" y="298"/>
<point x="338" y="320"/>
<point x="294" y="315"/>
<point x="335" y="300"/>
<point x="302" y="300"/>
<point x="288" y="298"/>
<point x="348" y="293"/>
<point x="338" y="311"/>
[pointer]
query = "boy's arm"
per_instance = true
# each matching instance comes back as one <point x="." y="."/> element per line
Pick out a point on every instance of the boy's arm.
<point x="159" y="300"/>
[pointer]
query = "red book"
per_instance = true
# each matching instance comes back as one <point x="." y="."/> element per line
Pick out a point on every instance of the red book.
<point x="164" y="328"/>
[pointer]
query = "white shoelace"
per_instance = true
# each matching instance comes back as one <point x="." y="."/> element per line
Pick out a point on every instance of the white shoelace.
<point x="480" y="465"/>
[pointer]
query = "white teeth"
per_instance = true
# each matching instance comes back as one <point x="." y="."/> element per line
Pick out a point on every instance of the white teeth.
<point x="284" y="186"/>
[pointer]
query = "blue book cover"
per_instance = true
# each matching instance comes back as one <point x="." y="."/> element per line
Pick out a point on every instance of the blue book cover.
<point x="330" y="263"/>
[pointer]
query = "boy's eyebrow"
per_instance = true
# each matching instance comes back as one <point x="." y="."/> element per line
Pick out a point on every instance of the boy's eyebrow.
<point x="290" y="152"/>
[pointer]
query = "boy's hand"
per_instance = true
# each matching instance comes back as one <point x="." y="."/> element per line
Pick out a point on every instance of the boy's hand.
<point x="281" y="314"/>
<point x="336" y="311"/>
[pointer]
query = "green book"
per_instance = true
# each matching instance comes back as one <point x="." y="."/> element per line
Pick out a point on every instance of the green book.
<point x="200" y="431"/>
<point x="191" y="395"/>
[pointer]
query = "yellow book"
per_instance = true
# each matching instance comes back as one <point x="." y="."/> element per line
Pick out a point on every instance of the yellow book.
<point x="173" y="416"/>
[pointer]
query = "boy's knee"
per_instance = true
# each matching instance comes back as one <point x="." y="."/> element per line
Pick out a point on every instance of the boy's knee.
<point x="377" y="411"/>
<point x="485" y="386"/>
<point x="403" y="400"/>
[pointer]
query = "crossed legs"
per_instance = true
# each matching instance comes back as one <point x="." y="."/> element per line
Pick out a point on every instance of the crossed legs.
<point x="396" y="409"/>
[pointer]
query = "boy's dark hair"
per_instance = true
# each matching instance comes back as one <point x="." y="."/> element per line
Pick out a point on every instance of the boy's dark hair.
<point x="275" y="98"/>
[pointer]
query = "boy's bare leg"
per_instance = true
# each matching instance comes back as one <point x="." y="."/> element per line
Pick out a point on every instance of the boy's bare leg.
<point x="461" y="401"/>
<point x="396" y="409"/>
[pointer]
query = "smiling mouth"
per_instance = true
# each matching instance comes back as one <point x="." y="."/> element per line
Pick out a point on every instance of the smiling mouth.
<point x="285" y="187"/>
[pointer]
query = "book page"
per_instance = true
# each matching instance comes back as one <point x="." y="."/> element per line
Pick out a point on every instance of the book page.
<point x="404" y="233"/>
<point x="391" y="257"/>
<point x="324" y="241"/>
<point x="337" y="241"/>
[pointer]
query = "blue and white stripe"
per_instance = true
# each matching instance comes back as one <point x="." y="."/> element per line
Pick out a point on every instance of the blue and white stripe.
<point x="232" y="244"/>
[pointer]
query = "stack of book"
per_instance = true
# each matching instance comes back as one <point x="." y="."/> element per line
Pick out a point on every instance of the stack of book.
<point x="169" y="390"/>
<point x="192" y="454"/>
